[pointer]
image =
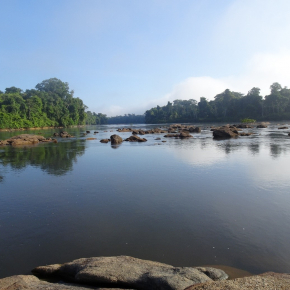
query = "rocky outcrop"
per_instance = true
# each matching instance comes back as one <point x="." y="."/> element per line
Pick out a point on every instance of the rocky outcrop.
<point x="25" y="139"/>
<point x="130" y="272"/>
<point x="194" y="130"/>
<point x="33" y="283"/>
<point x="266" y="281"/>
<point x="225" y="132"/>
<point x="105" y="140"/>
<point x="182" y="135"/>
<point x="116" y="139"/>
<point x="135" y="138"/>
<point x="65" y="134"/>
<point x="262" y="125"/>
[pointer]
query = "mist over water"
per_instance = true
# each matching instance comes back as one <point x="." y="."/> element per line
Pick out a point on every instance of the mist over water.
<point x="184" y="202"/>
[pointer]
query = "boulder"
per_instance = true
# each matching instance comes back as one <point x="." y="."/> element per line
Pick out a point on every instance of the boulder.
<point x="266" y="281"/>
<point x="245" y="134"/>
<point x="55" y="134"/>
<point x="124" y="130"/>
<point x="135" y="138"/>
<point x="64" y="134"/>
<point x="224" y="133"/>
<point x="88" y="132"/>
<point x="243" y="126"/>
<point x="33" y="283"/>
<point x="25" y="139"/>
<point x="262" y="126"/>
<point x="116" y="139"/>
<point x="105" y="140"/>
<point x="130" y="272"/>
<point x="194" y="130"/>
<point x="183" y="135"/>
<point x="283" y="128"/>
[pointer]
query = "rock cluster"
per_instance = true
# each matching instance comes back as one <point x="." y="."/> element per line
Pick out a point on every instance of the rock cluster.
<point x="25" y="139"/>
<point x="63" y="134"/>
<point x="134" y="138"/>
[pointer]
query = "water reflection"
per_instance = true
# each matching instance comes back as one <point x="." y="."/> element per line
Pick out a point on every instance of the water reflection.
<point x="56" y="159"/>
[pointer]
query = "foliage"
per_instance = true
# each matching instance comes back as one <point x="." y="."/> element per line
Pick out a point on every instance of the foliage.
<point x="51" y="104"/>
<point x="127" y="119"/>
<point x="226" y="106"/>
<point x="247" y="120"/>
<point x="96" y="119"/>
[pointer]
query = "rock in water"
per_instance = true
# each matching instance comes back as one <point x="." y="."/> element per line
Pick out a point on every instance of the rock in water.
<point x="224" y="133"/>
<point x="116" y="139"/>
<point x="134" y="138"/>
<point x="130" y="273"/>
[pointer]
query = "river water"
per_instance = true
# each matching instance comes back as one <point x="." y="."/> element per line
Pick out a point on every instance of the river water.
<point x="184" y="202"/>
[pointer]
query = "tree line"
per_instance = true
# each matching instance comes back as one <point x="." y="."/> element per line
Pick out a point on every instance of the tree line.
<point x="51" y="103"/>
<point x="226" y="106"/>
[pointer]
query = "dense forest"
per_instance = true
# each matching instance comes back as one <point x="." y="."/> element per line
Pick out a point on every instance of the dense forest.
<point x="127" y="119"/>
<point x="51" y="103"/>
<point x="227" y="106"/>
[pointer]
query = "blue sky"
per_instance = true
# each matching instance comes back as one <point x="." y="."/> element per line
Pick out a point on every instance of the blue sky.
<point x="125" y="56"/>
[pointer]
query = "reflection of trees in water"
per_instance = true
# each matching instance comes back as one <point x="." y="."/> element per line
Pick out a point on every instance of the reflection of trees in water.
<point x="254" y="148"/>
<point x="276" y="150"/>
<point x="56" y="159"/>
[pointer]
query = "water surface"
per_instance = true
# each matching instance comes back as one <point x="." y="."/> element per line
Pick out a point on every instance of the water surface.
<point x="184" y="202"/>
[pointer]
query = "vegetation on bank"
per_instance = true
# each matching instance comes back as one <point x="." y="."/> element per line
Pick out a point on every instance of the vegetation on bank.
<point x="127" y="119"/>
<point x="51" y="103"/>
<point x="227" y="106"/>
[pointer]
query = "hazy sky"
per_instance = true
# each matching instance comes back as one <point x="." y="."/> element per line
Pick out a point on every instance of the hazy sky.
<point x="125" y="56"/>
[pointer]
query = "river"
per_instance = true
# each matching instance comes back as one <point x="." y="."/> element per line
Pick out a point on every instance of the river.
<point x="186" y="202"/>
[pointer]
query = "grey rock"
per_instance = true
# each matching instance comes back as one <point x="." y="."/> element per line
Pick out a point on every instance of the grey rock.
<point x="33" y="283"/>
<point x="213" y="273"/>
<point x="124" y="271"/>
<point x="266" y="281"/>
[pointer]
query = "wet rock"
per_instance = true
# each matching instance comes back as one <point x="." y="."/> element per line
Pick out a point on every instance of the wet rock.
<point x="128" y="272"/>
<point x="171" y="135"/>
<point x="105" y="140"/>
<point x="224" y="133"/>
<point x="135" y="138"/>
<point x="124" y="130"/>
<point x="24" y="139"/>
<point x="55" y="134"/>
<point x="116" y="139"/>
<point x="96" y="132"/>
<point x="262" y="125"/>
<point x="91" y="139"/>
<point x="283" y="128"/>
<point x="88" y="132"/>
<point x="266" y="281"/>
<point x="64" y="134"/>
<point x="245" y="134"/>
<point x="183" y="135"/>
<point x="194" y="130"/>
<point x="243" y="126"/>
<point x="157" y="138"/>
<point x="213" y="273"/>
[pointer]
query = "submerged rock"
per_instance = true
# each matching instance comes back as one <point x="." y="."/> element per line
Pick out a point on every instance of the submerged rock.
<point x="65" y="134"/>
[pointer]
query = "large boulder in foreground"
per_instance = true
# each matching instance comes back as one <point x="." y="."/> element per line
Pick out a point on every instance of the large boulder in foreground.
<point x="128" y="272"/>
<point x="266" y="281"/>
<point x="116" y="139"/>
<point x="223" y="133"/>
<point x="33" y="283"/>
